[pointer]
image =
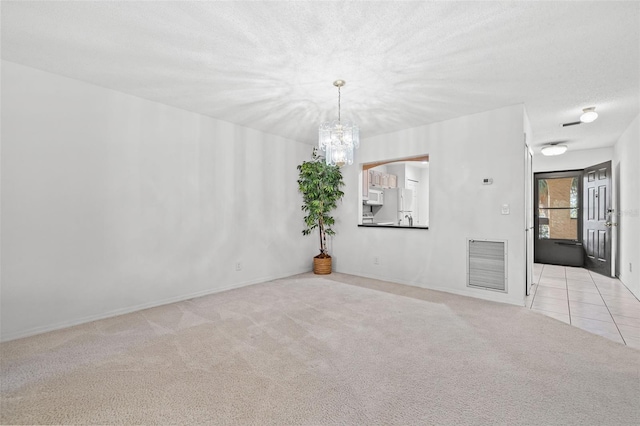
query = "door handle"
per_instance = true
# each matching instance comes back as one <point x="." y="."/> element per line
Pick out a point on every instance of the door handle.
<point x="610" y="224"/>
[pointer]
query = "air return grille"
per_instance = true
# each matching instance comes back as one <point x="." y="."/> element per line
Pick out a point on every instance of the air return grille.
<point x="487" y="265"/>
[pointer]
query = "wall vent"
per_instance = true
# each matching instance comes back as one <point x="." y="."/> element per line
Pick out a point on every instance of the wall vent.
<point x="487" y="265"/>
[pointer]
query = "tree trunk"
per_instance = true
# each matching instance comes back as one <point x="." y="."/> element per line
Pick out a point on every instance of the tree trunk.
<point x="321" y="232"/>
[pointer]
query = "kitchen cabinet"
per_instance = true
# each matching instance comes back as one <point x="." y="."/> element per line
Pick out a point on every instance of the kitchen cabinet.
<point x="365" y="185"/>
<point x="382" y="180"/>
<point x="375" y="179"/>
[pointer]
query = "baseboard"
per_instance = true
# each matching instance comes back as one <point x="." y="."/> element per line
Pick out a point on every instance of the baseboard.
<point x="490" y="296"/>
<point x="66" y="324"/>
<point x="637" y="296"/>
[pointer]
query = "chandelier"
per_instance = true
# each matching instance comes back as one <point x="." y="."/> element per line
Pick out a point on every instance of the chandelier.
<point x="338" y="138"/>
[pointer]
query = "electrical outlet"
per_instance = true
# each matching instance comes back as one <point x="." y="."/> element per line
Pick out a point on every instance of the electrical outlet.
<point x="376" y="260"/>
<point x="238" y="266"/>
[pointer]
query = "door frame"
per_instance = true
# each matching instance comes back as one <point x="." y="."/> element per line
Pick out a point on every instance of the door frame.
<point x="592" y="262"/>
<point x="529" y="220"/>
<point x="578" y="173"/>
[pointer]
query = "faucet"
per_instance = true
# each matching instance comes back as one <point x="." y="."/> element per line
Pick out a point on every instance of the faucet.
<point x="408" y="216"/>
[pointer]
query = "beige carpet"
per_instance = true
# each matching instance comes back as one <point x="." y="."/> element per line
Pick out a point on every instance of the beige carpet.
<point x="313" y="351"/>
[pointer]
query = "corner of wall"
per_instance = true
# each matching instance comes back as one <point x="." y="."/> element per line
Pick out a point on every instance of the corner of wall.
<point x="627" y="204"/>
<point x="461" y="155"/>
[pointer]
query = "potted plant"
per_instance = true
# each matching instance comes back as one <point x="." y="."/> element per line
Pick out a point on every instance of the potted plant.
<point x="320" y="185"/>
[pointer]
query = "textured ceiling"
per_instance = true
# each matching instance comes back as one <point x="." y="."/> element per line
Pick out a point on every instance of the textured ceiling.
<point x="270" y="65"/>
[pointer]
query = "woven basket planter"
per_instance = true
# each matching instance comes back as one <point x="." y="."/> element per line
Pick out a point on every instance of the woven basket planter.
<point x="322" y="265"/>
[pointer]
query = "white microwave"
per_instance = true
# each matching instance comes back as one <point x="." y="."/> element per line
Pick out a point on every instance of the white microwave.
<point x="376" y="197"/>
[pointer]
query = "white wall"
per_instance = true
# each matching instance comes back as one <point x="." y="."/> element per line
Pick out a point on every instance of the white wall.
<point x="411" y="173"/>
<point x="462" y="152"/>
<point x="111" y="203"/>
<point x="571" y="160"/>
<point x="626" y="171"/>
<point x="424" y="197"/>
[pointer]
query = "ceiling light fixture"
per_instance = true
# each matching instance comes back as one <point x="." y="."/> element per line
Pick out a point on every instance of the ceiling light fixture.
<point x="588" y="115"/>
<point x="338" y="138"/>
<point x="554" y="149"/>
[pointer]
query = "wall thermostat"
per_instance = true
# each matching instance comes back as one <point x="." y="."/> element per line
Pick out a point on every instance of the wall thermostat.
<point x="487" y="181"/>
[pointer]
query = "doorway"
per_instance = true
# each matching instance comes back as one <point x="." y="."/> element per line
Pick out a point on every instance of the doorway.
<point x="572" y="218"/>
<point x="558" y="218"/>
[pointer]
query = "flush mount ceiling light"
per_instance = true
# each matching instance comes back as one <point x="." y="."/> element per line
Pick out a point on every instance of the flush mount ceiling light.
<point x="589" y="115"/>
<point x="554" y="149"/>
<point x="338" y="138"/>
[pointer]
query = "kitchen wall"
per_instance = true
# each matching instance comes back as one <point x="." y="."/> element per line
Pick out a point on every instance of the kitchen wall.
<point x="462" y="152"/>
<point x="111" y="203"/>
<point x="626" y="190"/>
<point x="424" y="200"/>
<point x="406" y="172"/>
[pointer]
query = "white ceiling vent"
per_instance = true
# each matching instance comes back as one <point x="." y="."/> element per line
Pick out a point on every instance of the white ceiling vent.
<point x="487" y="264"/>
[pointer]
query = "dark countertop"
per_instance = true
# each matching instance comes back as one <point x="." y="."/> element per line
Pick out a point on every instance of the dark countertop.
<point x="375" y="225"/>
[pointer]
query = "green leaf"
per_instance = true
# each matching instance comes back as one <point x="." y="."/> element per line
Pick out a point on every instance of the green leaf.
<point x="320" y="186"/>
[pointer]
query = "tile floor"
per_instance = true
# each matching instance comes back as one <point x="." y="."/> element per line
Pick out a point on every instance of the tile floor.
<point x="584" y="299"/>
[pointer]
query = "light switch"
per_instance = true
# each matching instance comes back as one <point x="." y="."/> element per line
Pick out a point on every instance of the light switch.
<point x="505" y="209"/>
